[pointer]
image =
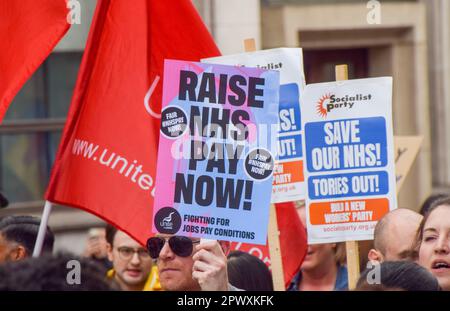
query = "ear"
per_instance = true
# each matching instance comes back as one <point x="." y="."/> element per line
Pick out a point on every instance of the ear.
<point x="225" y="245"/>
<point x="109" y="251"/>
<point x="19" y="253"/>
<point x="375" y="255"/>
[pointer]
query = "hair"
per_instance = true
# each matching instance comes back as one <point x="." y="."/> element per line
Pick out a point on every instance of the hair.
<point x="3" y="201"/>
<point x="399" y="275"/>
<point x="248" y="272"/>
<point x="110" y="233"/>
<point x="429" y="202"/>
<point x="52" y="273"/>
<point x="24" y="231"/>
<point x="445" y="201"/>
<point x="340" y="254"/>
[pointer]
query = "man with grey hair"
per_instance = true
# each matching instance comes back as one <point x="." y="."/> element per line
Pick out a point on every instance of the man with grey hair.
<point x="394" y="236"/>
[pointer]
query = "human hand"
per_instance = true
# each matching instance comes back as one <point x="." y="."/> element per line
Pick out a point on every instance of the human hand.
<point x="96" y="244"/>
<point x="210" y="267"/>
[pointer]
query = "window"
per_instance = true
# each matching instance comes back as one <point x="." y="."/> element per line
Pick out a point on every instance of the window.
<point x="31" y="129"/>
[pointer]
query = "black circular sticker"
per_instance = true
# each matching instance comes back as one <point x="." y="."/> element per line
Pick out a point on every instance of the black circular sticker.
<point x="168" y="220"/>
<point x="259" y="164"/>
<point x="173" y="122"/>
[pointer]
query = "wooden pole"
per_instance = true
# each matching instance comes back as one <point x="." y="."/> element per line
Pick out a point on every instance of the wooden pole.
<point x="249" y="45"/>
<point x="276" y="262"/>
<point x="351" y="247"/>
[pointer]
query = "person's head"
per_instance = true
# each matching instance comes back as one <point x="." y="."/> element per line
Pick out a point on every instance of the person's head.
<point x="131" y="262"/>
<point x="3" y="201"/>
<point x="394" y="236"/>
<point x="248" y="272"/>
<point x="53" y="273"/>
<point x="429" y="201"/>
<point x="18" y="235"/>
<point x="175" y="263"/>
<point x="434" y="242"/>
<point x="96" y="244"/>
<point x="320" y="256"/>
<point x="397" y="276"/>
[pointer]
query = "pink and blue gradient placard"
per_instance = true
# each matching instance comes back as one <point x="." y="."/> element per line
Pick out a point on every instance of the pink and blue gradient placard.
<point x="217" y="151"/>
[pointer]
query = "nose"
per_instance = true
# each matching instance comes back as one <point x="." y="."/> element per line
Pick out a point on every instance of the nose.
<point x="166" y="252"/>
<point x="443" y="245"/>
<point x="135" y="259"/>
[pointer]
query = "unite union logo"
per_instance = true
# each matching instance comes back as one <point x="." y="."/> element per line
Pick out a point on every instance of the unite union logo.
<point x="166" y="223"/>
<point x="167" y="220"/>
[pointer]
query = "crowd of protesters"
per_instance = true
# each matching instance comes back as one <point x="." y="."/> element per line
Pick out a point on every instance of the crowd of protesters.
<point x="410" y="250"/>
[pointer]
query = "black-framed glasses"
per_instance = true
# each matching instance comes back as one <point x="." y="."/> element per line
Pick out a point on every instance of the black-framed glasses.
<point x="126" y="253"/>
<point x="180" y="245"/>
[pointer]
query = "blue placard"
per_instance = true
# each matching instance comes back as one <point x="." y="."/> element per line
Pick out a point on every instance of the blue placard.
<point x="348" y="185"/>
<point x="346" y="144"/>
<point x="289" y="109"/>
<point x="290" y="147"/>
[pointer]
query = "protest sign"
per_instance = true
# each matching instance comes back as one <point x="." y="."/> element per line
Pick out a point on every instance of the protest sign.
<point x="406" y="150"/>
<point x="288" y="179"/>
<point x="349" y="155"/>
<point x="216" y="151"/>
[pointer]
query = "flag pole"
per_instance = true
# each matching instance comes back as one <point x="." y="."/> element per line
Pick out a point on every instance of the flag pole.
<point x="42" y="229"/>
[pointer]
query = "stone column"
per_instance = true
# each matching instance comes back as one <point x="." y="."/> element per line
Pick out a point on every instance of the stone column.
<point x="438" y="19"/>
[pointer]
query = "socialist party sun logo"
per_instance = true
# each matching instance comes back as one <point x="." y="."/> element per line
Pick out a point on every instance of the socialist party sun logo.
<point x="322" y="104"/>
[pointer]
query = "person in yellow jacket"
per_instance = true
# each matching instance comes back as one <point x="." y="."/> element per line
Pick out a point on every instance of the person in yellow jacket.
<point x="133" y="268"/>
<point x="152" y="283"/>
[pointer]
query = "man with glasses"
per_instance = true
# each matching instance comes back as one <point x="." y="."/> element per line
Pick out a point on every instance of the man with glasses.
<point x="131" y="262"/>
<point x="185" y="264"/>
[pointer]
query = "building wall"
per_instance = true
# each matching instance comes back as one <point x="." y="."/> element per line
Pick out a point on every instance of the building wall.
<point x="438" y="22"/>
<point x="231" y="22"/>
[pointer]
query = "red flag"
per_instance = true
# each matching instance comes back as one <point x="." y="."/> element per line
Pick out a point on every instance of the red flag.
<point x="106" y="163"/>
<point x="29" y="31"/>
<point x="293" y="242"/>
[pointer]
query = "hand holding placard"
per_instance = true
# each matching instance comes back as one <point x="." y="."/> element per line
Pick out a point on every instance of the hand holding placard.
<point x="210" y="266"/>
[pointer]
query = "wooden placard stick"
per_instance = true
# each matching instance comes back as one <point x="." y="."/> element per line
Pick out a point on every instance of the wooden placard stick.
<point x="351" y="247"/>
<point x="249" y="45"/>
<point x="276" y="262"/>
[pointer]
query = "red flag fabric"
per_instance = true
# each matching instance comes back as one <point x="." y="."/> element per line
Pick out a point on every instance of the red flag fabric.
<point x="106" y="162"/>
<point x="29" y="31"/>
<point x="293" y="242"/>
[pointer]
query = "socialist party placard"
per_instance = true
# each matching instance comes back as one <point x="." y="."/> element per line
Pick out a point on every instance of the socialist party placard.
<point x="349" y="155"/>
<point x="217" y="151"/>
<point x="288" y="179"/>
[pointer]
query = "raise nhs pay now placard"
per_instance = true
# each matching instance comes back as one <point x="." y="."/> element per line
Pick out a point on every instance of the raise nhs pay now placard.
<point x="349" y="154"/>
<point x="216" y="151"/>
<point x="288" y="179"/>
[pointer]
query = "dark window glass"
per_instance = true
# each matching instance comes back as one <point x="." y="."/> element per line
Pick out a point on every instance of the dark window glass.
<point x="28" y="147"/>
